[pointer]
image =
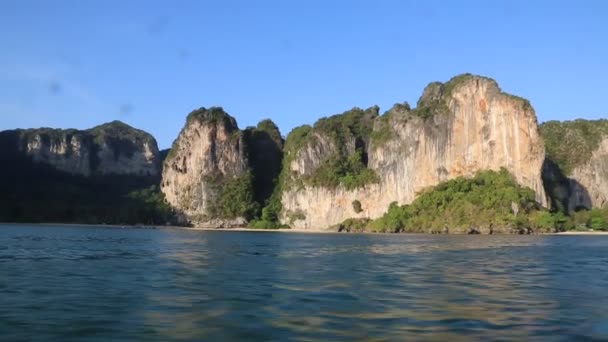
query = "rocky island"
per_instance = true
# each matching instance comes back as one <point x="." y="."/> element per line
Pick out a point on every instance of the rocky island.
<point x="468" y="158"/>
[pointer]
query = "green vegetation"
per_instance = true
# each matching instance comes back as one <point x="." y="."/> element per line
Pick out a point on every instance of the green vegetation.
<point x="458" y="80"/>
<point x="436" y="95"/>
<point x="235" y="198"/>
<point x="121" y="138"/>
<point x="353" y="225"/>
<point x="343" y="167"/>
<point x="34" y="192"/>
<point x="594" y="219"/>
<point x="296" y="140"/>
<point x="270" y="214"/>
<point x="349" y="172"/>
<point x="340" y="168"/>
<point x="265" y="154"/>
<point x="557" y="186"/>
<point x="432" y="102"/>
<point x="571" y="143"/>
<point x="120" y="130"/>
<point x="383" y="132"/>
<point x="490" y="199"/>
<point x="209" y="115"/>
<point x="357" y="206"/>
<point x="212" y="115"/>
<point x="266" y="159"/>
<point x="355" y="123"/>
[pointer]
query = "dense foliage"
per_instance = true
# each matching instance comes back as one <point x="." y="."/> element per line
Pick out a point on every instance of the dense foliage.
<point x="235" y="198"/>
<point x="246" y="195"/>
<point x="212" y="115"/>
<point x="594" y="219"/>
<point x="349" y="133"/>
<point x="355" y="123"/>
<point x="265" y="154"/>
<point x="340" y="168"/>
<point x="349" y="172"/>
<point x="571" y="143"/>
<point x="489" y="199"/>
<point x="36" y="192"/>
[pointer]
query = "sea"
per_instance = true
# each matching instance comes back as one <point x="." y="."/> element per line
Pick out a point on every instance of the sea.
<point x="76" y="283"/>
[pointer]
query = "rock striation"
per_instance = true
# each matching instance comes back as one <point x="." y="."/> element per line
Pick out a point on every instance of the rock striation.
<point x="576" y="170"/>
<point x="216" y="174"/>
<point x="458" y="128"/>
<point x="113" y="148"/>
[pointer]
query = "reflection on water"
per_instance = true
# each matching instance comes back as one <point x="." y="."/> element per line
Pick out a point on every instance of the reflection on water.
<point x="100" y="284"/>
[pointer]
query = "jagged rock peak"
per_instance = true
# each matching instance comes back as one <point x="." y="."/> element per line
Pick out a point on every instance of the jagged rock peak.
<point x="436" y="96"/>
<point x="119" y="128"/>
<point x="208" y="156"/>
<point x="458" y="128"/>
<point x="213" y="115"/>
<point x="268" y="126"/>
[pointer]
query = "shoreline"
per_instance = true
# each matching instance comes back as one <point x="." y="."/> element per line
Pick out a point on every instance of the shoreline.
<point x="144" y="226"/>
<point x="574" y="233"/>
<point x="280" y="230"/>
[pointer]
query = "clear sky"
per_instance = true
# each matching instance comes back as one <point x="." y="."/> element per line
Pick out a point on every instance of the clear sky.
<point x="149" y="63"/>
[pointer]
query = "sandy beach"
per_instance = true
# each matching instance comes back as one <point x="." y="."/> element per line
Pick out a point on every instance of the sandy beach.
<point x="243" y="229"/>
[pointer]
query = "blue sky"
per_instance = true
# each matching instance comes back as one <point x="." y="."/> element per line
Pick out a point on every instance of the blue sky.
<point x="149" y="63"/>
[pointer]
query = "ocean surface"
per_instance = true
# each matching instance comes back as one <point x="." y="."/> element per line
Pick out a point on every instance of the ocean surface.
<point x="60" y="283"/>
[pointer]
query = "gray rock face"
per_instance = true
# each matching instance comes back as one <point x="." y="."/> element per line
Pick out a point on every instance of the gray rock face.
<point x="69" y="151"/>
<point x="576" y="170"/>
<point x="589" y="182"/>
<point x="113" y="148"/>
<point x="457" y="129"/>
<point x="121" y="149"/>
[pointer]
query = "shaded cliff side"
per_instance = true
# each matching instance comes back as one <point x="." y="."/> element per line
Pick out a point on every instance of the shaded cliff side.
<point x="217" y="175"/>
<point x="576" y="170"/>
<point x="108" y="174"/>
<point x="112" y="148"/>
<point x="356" y="164"/>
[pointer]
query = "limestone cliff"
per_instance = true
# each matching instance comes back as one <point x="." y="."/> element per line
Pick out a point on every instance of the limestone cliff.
<point x="458" y="128"/>
<point x="121" y="149"/>
<point x="69" y="150"/>
<point x="576" y="171"/>
<point x="113" y="148"/>
<point x="211" y="174"/>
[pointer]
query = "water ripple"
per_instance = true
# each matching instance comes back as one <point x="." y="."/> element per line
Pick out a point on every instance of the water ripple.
<point x="99" y="284"/>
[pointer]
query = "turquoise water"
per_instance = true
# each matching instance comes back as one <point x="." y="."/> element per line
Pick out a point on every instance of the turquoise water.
<point x="102" y="284"/>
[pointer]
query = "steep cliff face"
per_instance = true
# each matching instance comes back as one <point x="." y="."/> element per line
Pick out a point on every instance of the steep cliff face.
<point x="215" y="174"/>
<point x="69" y="151"/>
<point x="457" y="129"/>
<point x="121" y="149"/>
<point x="576" y="171"/>
<point x="589" y="182"/>
<point x="209" y="151"/>
<point x="105" y="175"/>
<point x="113" y="148"/>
